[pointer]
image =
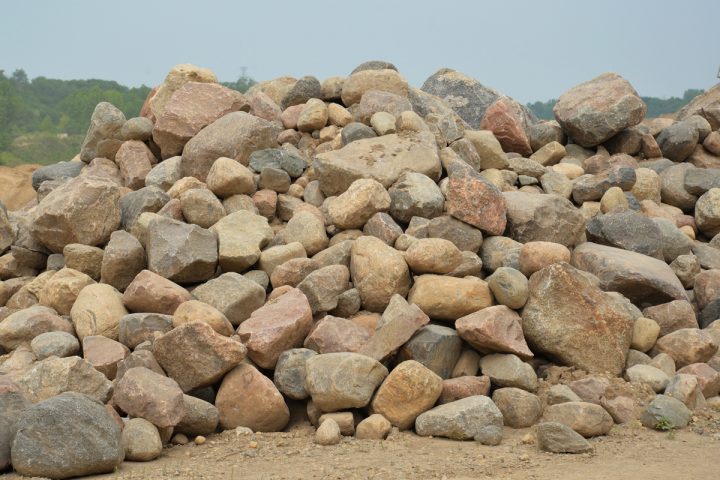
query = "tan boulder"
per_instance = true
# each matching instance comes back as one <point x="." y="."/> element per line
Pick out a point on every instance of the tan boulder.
<point x="62" y="290"/>
<point x="496" y="329"/>
<point x="449" y="298"/>
<point x="97" y="311"/>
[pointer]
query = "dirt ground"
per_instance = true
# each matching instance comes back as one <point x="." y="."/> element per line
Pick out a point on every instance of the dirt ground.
<point x="628" y="452"/>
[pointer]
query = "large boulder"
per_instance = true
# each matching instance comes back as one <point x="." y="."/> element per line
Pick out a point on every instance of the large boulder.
<point x="241" y="236"/>
<point x="84" y="210"/>
<point x="596" y="110"/>
<point x="149" y="395"/>
<point x="569" y="318"/>
<point x="494" y="329"/>
<point x="383" y="159"/>
<point x="640" y="278"/>
<point x="235" y="135"/>
<point x="474" y="200"/>
<point x="197" y="356"/>
<point x="191" y="108"/>
<point x="12" y="404"/>
<point x="67" y="436"/>
<point x="53" y="376"/>
<point x="539" y="217"/>
<point x="398" y="323"/>
<point x="234" y="295"/>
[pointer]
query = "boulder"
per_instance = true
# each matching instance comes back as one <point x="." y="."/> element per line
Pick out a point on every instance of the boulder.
<point x="449" y="298"/>
<point x="25" y="325"/>
<point x="638" y="277"/>
<point x="83" y="210"/>
<point x="507" y="370"/>
<point x="146" y="394"/>
<point x="235" y="135"/>
<point x="384" y="159"/>
<point x="279" y="325"/>
<point x="67" y="436"/>
<point x="247" y="398"/>
<point x="409" y="390"/>
<point x="434" y="346"/>
<point x="587" y="419"/>
<point x="331" y="383"/>
<point x="289" y="375"/>
<point x="137" y="328"/>
<point x="495" y="329"/>
<point x="196" y="356"/>
<point x="687" y="346"/>
<point x="233" y="295"/>
<point x="141" y="440"/>
<point x="241" y="235"/>
<point x="353" y="208"/>
<point x="149" y="292"/>
<point x="378" y="272"/>
<point x="520" y="409"/>
<point x="415" y="195"/>
<point x="539" y="217"/>
<point x="334" y="334"/>
<point x="594" y="111"/>
<point x="505" y="118"/>
<point x="53" y="376"/>
<point x="97" y="311"/>
<point x="459" y="420"/>
<point x="570" y="319"/>
<point x="665" y="413"/>
<point x="201" y="417"/>
<point x="559" y="438"/>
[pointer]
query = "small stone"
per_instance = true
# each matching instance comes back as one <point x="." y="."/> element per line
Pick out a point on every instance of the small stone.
<point x="104" y="354"/>
<point x="535" y="256"/>
<point x="290" y="373"/>
<point x="687" y="346"/>
<point x="345" y="421"/>
<point x="650" y="376"/>
<point x="57" y="344"/>
<point x="494" y="329"/>
<point x="233" y="295"/>
<point x="520" y="409"/>
<point x="196" y="311"/>
<point x="463" y="387"/>
<point x="374" y="427"/>
<point x="645" y="334"/>
<point x="509" y="287"/>
<point x="328" y="433"/>
<point x="141" y="440"/>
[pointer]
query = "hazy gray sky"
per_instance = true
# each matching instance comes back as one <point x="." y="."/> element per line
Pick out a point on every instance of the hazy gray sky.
<point x="531" y="50"/>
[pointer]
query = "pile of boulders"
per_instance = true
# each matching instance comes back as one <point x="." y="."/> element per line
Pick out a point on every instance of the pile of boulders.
<point x="434" y="259"/>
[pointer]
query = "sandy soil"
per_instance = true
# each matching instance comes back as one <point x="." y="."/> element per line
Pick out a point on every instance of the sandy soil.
<point x="629" y="452"/>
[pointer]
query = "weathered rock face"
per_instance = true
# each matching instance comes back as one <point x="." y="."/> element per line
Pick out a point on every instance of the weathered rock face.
<point x="235" y="135"/>
<point x="181" y="252"/>
<point x="97" y="311"/>
<point x="192" y="107"/>
<point x="385" y="80"/>
<point x="382" y="159"/>
<point x="587" y="419"/>
<point x="281" y="324"/>
<point x="399" y="322"/>
<point x="594" y="111"/>
<point x="449" y="298"/>
<point x="459" y="420"/>
<point x="67" y="436"/>
<point x="537" y="217"/>
<point x="640" y="278"/>
<point x="84" y="210"/>
<point x="103" y="133"/>
<point x="330" y="380"/>
<point x="233" y="295"/>
<point x="196" y="356"/>
<point x="569" y="318"/>
<point x="24" y="325"/>
<point x="378" y="272"/>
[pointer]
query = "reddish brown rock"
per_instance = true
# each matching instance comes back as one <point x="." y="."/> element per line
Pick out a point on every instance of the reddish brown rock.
<point x="408" y="391"/>
<point x="192" y="107"/>
<point x="398" y="324"/>
<point x="462" y="387"/>
<point x="334" y="334"/>
<point x="505" y="119"/>
<point x="707" y="287"/>
<point x="247" y="398"/>
<point x="104" y="354"/>
<point x="151" y="293"/>
<point x="687" y="346"/>
<point x="494" y="329"/>
<point x="474" y="200"/>
<point x="672" y="316"/>
<point x="196" y="356"/>
<point x="135" y="161"/>
<point x="279" y="325"/>
<point x="146" y="394"/>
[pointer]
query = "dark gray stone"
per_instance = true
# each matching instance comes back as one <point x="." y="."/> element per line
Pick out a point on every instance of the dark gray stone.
<point x="558" y="438"/>
<point x="356" y="131"/>
<point x="374" y="65"/>
<point x="66" y="436"/>
<point x="626" y="230"/>
<point x="146" y="199"/>
<point x="436" y="347"/>
<point x="291" y="162"/>
<point x="678" y="141"/>
<point x="464" y="236"/>
<point x="12" y="404"/>
<point x="465" y="95"/>
<point x="700" y="180"/>
<point x="709" y="314"/>
<point x="592" y="187"/>
<point x="137" y="328"/>
<point x="666" y="413"/>
<point x="56" y="172"/>
<point x="542" y="133"/>
<point x="304" y="89"/>
<point x="289" y="376"/>
<point x="415" y="195"/>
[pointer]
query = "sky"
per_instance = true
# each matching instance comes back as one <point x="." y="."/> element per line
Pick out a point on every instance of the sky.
<point x="530" y="50"/>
